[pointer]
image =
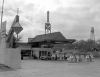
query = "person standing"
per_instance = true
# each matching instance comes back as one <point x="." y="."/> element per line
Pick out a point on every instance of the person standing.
<point x="66" y="56"/>
<point x="62" y="56"/>
<point x="87" y="57"/>
<point x="74" y="58"/>
<point x="82" y="57"/>
<point x="77" y="58"/>
<point x="71" y="57"/>
<point x="58" y="56"/>
<point x="91" y="57"/>
<point x="53" y="57"/>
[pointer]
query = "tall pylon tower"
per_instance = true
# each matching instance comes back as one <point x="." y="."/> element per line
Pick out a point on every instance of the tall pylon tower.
<point x="92" y="36"/>
<point x="47" y="25"/>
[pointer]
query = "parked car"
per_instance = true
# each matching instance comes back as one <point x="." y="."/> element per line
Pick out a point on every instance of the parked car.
<point x="45" y="57"/>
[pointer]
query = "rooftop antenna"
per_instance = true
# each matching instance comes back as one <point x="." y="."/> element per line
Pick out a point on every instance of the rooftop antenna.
<point x="47" y="25"/>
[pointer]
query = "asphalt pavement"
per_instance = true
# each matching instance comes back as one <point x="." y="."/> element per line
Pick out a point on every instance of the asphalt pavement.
<point x="43" y="68"/>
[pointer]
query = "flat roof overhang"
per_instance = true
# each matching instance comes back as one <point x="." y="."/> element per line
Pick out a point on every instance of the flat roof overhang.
<point x="55" y="41"/>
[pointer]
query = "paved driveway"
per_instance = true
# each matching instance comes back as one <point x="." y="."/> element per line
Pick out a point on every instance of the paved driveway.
<point x="40" y="68"/>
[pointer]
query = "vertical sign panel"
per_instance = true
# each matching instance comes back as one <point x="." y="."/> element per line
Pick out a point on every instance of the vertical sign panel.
<point x="3" y="29"/>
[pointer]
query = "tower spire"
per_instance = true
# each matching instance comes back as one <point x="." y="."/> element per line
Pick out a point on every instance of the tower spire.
<point x="92" y="36"/>
<point x="47" y="25"/>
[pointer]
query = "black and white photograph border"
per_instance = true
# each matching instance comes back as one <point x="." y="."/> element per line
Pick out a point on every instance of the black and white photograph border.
<point x="49" y="38"/>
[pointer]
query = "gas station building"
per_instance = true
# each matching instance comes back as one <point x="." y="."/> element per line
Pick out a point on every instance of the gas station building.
<point x="45" y="44"/>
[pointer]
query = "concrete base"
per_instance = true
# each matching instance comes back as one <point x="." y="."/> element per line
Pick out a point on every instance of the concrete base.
<point x="9" y="56"/>
<point x="13" y="58"/>
<point x="2" y="50"/>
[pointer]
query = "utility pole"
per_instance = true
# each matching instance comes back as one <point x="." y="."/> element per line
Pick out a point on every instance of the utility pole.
<point x="2" y="12"/>
<point x="1" y="18"/>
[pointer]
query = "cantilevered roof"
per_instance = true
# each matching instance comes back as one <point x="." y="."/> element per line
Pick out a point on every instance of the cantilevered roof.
<point x="55" y="36"/>
<point x="11" y="31"/>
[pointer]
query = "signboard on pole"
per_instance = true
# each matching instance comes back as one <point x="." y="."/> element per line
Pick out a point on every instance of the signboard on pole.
<point x="17" y="28"/>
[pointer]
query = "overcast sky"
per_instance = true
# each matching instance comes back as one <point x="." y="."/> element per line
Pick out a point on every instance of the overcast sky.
<point x="73" y="18"/>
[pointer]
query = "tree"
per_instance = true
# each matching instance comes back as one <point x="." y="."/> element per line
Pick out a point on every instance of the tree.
<point x="83" y="45"/>
<point x="15" y="41"/>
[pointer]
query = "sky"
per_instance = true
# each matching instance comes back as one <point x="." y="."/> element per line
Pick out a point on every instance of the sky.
<point x="73" y="18"/>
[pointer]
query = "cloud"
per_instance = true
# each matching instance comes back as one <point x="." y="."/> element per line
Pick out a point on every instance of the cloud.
<point x="73" y="18"/>
<point x="76" y="22"/>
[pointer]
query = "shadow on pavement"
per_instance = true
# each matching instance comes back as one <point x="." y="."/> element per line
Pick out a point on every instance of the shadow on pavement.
<point x="4" y="68"/>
